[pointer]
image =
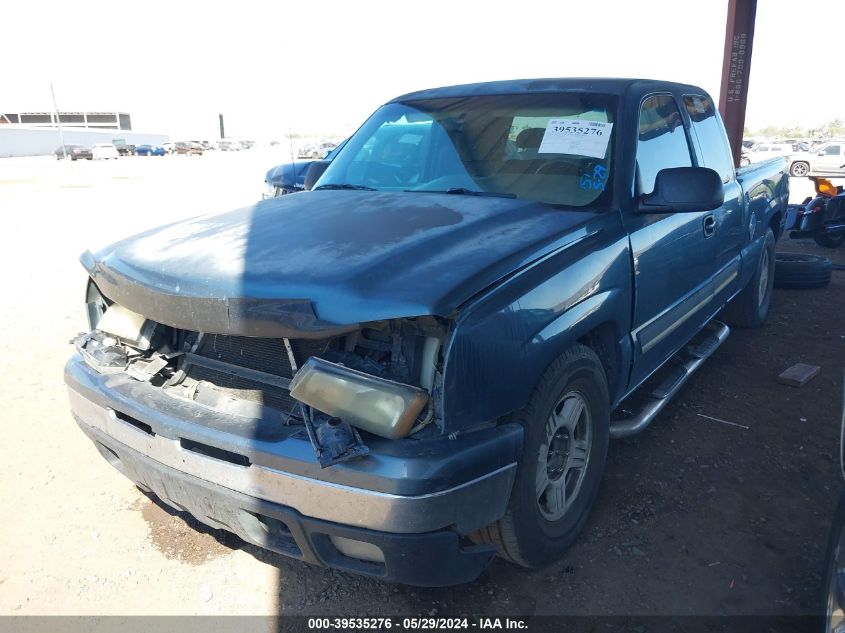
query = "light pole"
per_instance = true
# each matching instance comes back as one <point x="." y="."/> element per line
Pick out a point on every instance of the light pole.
<point x="58" y="121"/>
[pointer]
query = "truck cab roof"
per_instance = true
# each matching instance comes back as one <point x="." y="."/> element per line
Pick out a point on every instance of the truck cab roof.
<point x="603" y="85"/>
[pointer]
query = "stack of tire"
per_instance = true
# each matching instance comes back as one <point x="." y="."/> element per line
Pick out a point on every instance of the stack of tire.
<point x="800" y="270"/>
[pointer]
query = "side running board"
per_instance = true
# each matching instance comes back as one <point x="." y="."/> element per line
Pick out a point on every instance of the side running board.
<point x="639" y="409"/>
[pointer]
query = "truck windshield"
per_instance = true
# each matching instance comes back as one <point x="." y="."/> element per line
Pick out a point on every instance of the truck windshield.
<point x="552" y="147"/>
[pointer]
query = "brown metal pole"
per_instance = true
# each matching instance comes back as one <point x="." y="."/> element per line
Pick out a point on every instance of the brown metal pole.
<point x="736" y="69"/>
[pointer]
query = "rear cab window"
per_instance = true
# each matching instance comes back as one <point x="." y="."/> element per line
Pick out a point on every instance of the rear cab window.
<point x="713" y="148"/>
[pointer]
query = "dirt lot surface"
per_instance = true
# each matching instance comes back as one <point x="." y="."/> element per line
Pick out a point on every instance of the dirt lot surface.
<point x="695" y="516"/>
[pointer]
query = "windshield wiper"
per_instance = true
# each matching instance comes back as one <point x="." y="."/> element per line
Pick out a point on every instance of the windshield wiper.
<point x="345" y="186"/>
<point x="463" y="191"/>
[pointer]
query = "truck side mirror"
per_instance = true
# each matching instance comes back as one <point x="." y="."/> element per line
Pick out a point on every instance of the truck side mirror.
<point x="684" y="190"/>
<point x="315" y="170"/>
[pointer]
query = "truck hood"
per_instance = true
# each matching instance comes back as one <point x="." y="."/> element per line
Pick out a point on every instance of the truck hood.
<point x="310" y="264"/>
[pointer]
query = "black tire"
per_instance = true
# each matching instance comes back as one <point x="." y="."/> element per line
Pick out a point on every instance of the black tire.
<point x="524" y="535"/>
<point x="800" y="270"/>
<point x="833" y="600"/>
<point x="751" y="306"/>
<point x="799" y="169"/>
<point x="830" y="241"/>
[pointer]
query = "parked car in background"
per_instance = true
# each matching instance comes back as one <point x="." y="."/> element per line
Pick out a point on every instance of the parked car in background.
<point x="104" y="151"/>
<point x="827" y="160"/>
<point x="463" y="320"/>
<point x="316" y="150"/>
<point x="205" y="145"/>
<point x="290" y="177"/>
<point x="765" y="151"/>
<point x="150" y="150"/>
<point x="189" y="147"/>
<point x="124" y="150"/>
<point x="228" y="145"/>
<point x="169" y="148"/>
<point x="73" y="152"/>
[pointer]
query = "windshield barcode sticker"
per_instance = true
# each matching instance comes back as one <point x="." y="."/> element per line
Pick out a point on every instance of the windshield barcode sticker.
<point x="574" y="136"/>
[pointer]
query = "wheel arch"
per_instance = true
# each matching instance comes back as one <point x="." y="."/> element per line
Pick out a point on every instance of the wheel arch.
<point x="776" y="224"/>
<point x="603" y="340"/>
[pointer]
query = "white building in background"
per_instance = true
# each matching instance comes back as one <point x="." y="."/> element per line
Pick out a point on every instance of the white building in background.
<point x="85" y="120"/>
<point x="37" y="133"/>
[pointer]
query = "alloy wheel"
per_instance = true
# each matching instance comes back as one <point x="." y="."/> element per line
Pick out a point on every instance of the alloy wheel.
<point x="564" y="455"/>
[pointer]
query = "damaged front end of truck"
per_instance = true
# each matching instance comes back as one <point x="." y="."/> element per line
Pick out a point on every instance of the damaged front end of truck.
<point x="384" y="377"/>
<point x="315" y="440"/>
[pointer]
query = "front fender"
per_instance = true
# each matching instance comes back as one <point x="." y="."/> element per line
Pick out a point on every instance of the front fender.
<point x="502" y="345"/>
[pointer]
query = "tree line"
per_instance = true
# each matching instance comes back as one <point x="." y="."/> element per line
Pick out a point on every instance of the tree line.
<point x="831" y="129"/>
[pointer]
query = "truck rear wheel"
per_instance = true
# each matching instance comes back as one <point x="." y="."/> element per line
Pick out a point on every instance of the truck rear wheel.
<point x="751" y="306"/>
<point x="567" y="423"/>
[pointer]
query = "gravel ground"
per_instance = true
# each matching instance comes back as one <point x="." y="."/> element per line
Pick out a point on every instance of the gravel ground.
<point x="695" y="516"/>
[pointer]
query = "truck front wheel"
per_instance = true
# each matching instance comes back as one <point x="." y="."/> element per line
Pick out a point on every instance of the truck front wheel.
<point x="567" y="423"/>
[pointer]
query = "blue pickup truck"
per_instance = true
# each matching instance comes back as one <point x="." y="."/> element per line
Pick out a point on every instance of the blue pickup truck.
<point x="419" y="364"/>
<point x="290" y="177"/>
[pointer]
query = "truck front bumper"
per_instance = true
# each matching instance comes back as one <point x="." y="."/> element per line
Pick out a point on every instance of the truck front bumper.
<point x="163" y="445"/>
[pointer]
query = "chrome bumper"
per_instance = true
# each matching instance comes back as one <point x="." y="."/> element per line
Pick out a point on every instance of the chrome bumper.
<point x="467" y="506"/>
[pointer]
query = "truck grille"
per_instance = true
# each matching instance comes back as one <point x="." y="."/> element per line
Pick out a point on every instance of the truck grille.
<point x="264" y="354"/>
<point x="267" y="355"/>
<point x="243" y="389"/>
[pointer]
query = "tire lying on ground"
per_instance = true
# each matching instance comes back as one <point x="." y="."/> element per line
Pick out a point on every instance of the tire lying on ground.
<point x="799" y="270"/>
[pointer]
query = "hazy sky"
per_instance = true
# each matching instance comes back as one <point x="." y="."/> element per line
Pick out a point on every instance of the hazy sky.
<point x="323" y="66"/>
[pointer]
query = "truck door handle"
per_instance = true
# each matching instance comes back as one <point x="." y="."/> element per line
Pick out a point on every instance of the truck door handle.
<point x="709" y="225"/>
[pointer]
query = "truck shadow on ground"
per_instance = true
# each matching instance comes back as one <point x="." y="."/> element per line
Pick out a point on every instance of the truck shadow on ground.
<point x="308" y="589"/>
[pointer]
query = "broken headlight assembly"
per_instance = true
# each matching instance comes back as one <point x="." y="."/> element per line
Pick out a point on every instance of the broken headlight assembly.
<point x="128" y="327"/>
<point x="117" y="337"/>
<point x="380" y="406"/>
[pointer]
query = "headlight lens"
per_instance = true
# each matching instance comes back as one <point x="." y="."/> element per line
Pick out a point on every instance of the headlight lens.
<point x="377" y="405"/>
<point x="269" y="191"/>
